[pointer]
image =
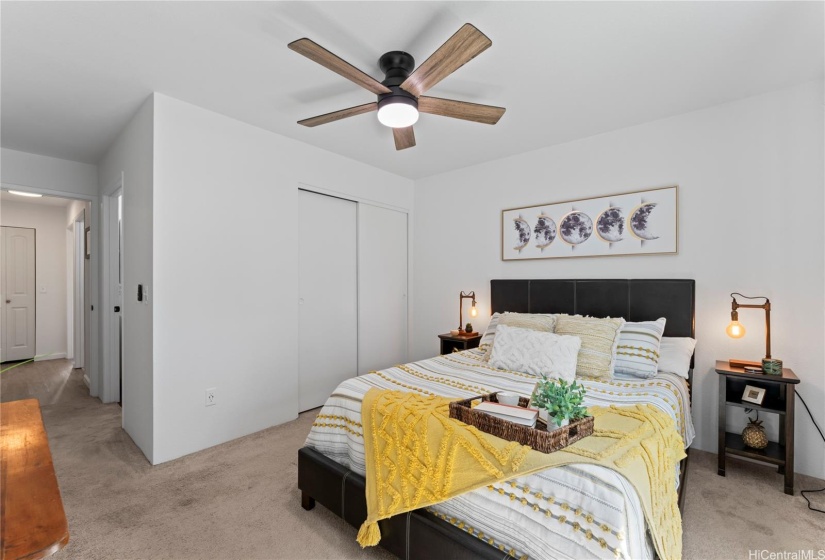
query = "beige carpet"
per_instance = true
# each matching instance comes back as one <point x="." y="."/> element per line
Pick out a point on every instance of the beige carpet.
<point x="240" y="500"/>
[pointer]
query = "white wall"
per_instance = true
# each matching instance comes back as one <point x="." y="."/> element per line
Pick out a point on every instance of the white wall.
<point x="751" y="203"/>
<point x="131" y="156"/>
<point x="32" y="170"/>
<point x="225" y="270"/>
<point x="50" y="275"/>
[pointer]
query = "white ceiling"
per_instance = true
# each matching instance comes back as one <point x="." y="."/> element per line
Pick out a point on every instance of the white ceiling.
<point x="73" y="73"/>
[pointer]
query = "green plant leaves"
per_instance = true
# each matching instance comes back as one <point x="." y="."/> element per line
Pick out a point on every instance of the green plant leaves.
<point x="560" y="400"/>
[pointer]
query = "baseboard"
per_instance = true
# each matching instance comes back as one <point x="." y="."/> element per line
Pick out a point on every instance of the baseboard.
<point x="58" y="356"/>
<point x="86" y="381"/>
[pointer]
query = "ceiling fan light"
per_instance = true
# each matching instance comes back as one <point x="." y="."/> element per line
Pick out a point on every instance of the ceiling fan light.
<point x="397" y="113"/>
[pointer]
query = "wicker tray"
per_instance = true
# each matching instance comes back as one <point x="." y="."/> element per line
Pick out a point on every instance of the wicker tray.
<point x="538" y="438"/>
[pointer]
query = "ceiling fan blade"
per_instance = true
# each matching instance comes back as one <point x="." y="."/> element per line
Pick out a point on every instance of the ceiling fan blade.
<point x="338" y="115"/>
<point x="319" y="54"/>
<point x="467" y="43"/>
<point x="486" y="114"/>
<point x="404" y="138"/>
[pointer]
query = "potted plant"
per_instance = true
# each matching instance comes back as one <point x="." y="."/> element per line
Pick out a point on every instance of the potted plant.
<point x="559" y="401"/>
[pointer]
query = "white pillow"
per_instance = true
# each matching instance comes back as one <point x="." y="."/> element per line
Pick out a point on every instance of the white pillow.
<point x="638" y="350"/>
<point x="675" y="354"/>
<point x="535" y="352"/>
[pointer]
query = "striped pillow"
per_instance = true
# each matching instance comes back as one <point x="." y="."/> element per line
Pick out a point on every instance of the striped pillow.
<point x="638" y="350"/>
<point x="599" y="340"/>
<point x="542" y="322"/>
<point x="486" y="342"/>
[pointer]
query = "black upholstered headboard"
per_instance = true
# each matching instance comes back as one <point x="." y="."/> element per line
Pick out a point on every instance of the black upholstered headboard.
<point x="635" y="300"/>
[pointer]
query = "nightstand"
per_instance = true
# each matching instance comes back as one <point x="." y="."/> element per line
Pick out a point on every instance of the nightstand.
<point x="779" y="399"/>
<point x="450" y="343"/>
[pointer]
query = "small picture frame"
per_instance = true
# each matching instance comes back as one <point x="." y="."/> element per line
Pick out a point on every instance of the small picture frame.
<point x="753" y="395"/>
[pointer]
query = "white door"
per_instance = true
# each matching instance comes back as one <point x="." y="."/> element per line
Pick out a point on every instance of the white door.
<point x="17" y="324"/>
<point x="113" y="309"/>
<point x="382" y="272"/>
<point x="328" y="296"/>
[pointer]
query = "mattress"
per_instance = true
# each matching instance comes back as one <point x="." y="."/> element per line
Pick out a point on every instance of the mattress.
<point x="575" y="511"/>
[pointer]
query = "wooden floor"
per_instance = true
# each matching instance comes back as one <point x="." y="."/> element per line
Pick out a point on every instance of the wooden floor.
<point x="31" y="515"/>
<point x="44" y="381"/>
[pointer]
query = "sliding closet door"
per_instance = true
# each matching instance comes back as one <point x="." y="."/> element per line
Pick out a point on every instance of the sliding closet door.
<point x="382" y="272"/>
<point x="328" y="296"/>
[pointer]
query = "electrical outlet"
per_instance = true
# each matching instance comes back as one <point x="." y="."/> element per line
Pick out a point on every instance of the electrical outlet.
<point x="210" y="397"/>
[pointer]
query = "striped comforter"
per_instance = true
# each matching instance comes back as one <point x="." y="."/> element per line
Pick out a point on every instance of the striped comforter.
<point x="576" y="511"/>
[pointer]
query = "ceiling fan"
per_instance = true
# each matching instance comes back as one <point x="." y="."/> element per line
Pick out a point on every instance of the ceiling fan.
<point x="400" y="94"/>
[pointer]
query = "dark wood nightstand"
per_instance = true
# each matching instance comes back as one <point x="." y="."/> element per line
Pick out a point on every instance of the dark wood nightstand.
<point x="450" y="343"/>
<point x="779" y="399"/>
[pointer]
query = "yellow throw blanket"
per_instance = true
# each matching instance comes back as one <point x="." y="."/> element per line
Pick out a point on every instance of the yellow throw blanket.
<point x="417" y="456"/>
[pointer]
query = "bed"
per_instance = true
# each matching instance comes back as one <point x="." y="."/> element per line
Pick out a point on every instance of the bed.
<point x="597" y="513"/>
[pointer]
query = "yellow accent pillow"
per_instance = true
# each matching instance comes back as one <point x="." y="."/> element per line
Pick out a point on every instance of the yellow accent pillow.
<point x="599" y="339"/>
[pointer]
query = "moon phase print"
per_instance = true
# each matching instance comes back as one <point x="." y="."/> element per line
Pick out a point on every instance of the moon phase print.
<point x="635" y="223"/>
<point x="610" y="225"/>
<point x="576" y="227"/>
<point x="545" y="231"/>
<point x="522" y="233"/>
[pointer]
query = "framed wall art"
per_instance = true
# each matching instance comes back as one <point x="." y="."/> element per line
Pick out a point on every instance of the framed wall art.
<point x="635" y="223"/>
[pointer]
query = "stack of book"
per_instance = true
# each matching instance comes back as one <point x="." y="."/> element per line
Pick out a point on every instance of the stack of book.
<point x="516" y="414"/>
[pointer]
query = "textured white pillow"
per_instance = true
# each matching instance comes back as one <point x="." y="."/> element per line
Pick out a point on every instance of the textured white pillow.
<point x="675" y="354"/>
<point x="535" y="352"/>
<point x="638" y="350"/>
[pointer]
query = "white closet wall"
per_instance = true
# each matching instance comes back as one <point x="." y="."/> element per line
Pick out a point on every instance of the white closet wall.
<point x="382" y="279"/>
<point x="328" y="296"/>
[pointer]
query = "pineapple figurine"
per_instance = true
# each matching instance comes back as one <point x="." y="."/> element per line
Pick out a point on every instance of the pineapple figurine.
<point x="754" y="434"/>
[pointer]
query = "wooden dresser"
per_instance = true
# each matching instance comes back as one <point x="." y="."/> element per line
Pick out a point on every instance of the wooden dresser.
<point x="32" y="521"/>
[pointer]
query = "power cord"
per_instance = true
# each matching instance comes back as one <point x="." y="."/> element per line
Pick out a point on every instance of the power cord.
<point x="803" y="492"/>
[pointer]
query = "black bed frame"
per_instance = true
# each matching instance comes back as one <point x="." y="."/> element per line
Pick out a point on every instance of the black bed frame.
<point x="419" y="535"/>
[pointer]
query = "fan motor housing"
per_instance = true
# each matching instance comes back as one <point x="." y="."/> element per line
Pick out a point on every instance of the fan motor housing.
<point x="396" y="66"/>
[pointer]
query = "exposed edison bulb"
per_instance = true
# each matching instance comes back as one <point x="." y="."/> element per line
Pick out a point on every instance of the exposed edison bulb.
<point x="473" y="311"/>
<point x="735" y="329"/>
